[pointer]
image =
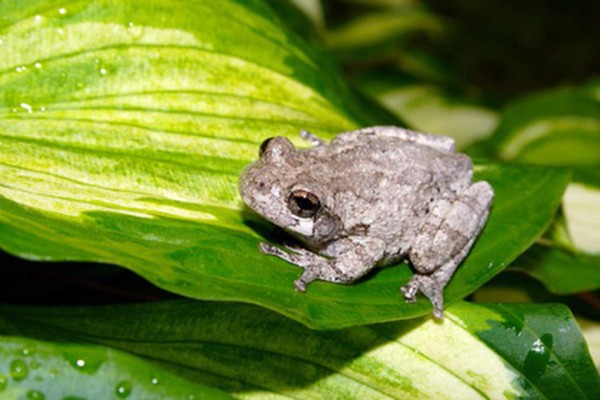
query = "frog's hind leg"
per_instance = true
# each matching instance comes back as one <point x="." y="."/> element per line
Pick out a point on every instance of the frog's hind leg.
<point x="444" y="242"/>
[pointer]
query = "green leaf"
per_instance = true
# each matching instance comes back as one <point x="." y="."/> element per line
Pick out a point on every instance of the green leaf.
<point x="541" y="345"/>
<point x="561" y="271"/>
<point x="219" y="259"/>
<point x="567" y="260"/>
<point x="374" y="28"/>
<point x="479" y="351"/>
<point x="36" y="369"/>
<point x="148" y="118"/>
<point x="558" y="127"/>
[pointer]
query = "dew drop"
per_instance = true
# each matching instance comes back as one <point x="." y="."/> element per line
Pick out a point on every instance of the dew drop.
<point x="25" y="350"/>
<point x="62" y="11"/>
<point x="42" y="108"/>
<point x="86" y="365"/>
<point x="18" y="370"/>
<point x="135" y="31"/>
<point x="38" y="18"/>
<point x="154" y="381"/>
<point x="103" y="71"/>
<point x="35" y="395"/>
<point x="123" y="389"/>
<point x="3" y="382"/>
<point x="38" y="65"/>
<point x="1" y="41"/>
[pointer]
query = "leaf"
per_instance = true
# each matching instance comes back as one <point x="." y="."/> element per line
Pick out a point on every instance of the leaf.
<point x="373" y="28"/>
<point x="425" y="108"/>
<point x="479" y="351"/>
<point x="581" y="207"/>
<point x="221" y="261"/>
<point x="560" y="271"/>
<point x="568" y="261"/>
<point x="558" y="127"/>
<point x="541" y="345"/>
<point x="148" y="121"/>
<point x="35" y="369"/>
<point x="591" y="332"/>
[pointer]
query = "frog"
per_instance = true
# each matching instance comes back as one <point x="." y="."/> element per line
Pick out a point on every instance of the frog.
<point x="371" y="197"/>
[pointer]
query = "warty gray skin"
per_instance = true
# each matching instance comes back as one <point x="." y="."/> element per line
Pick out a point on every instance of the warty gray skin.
<point x="370" y="198"/>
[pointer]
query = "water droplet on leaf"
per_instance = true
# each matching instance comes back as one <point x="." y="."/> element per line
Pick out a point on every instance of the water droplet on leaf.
<point x="123" y="389"/>
<point x="35" y="395"/>
<point x="18" y="370"/>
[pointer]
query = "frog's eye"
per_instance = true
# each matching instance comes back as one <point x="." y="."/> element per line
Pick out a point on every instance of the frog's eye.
<point x="263" y="146"/>
<point x="303" y="204"/>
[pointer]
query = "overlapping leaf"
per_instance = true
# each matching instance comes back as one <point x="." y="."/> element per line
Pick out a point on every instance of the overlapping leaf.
<point x="478" y="352"/>
<point x="39" y="370"/>
<point x="561" y="127"/>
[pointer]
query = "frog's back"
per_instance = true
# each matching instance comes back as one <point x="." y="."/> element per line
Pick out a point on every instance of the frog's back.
<point x="390" y="164"/>
<point x="388" y="185"/>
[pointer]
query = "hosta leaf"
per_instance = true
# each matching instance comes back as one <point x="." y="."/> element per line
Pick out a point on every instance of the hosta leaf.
<point x="581" y="208"/>
<point x="479" y="351"/>
<point x="569" y="260"/>
<point x="591" y="332"/>
<point x="559" y="127"/>
<point x="125" y="126"/>
<point x="561" y="271"/>
<point x="425" y="108"/>
<point x="219" y="259"/>
<point x="32" y="369"/>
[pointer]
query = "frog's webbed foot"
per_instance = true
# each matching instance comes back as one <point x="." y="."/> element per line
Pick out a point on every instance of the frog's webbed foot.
<point x="430" y="288"/>
<point x="315" y="266"/>
<point x="312" y="138"/>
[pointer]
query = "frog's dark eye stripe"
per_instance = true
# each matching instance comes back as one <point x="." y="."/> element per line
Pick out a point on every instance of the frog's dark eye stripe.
<point x="263" y="146"/>
<point x="303" y="204"/>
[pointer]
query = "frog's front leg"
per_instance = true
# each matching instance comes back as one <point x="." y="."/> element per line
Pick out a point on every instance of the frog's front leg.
<point x="445" y="240"/>
<point x="347" y="260"/>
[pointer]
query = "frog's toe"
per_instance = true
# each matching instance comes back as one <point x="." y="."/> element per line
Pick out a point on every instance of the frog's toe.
<point x="410" y="291"/>
<point x="307" y="277"/>
<point x="266" y="248"/>
<point x="430" y="288"/>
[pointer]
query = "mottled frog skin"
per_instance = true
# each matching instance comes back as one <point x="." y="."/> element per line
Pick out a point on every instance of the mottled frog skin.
<point x="370" y="198"/>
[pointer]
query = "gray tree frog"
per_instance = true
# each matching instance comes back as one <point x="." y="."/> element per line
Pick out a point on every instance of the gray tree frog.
<point x="371" y="197"/>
